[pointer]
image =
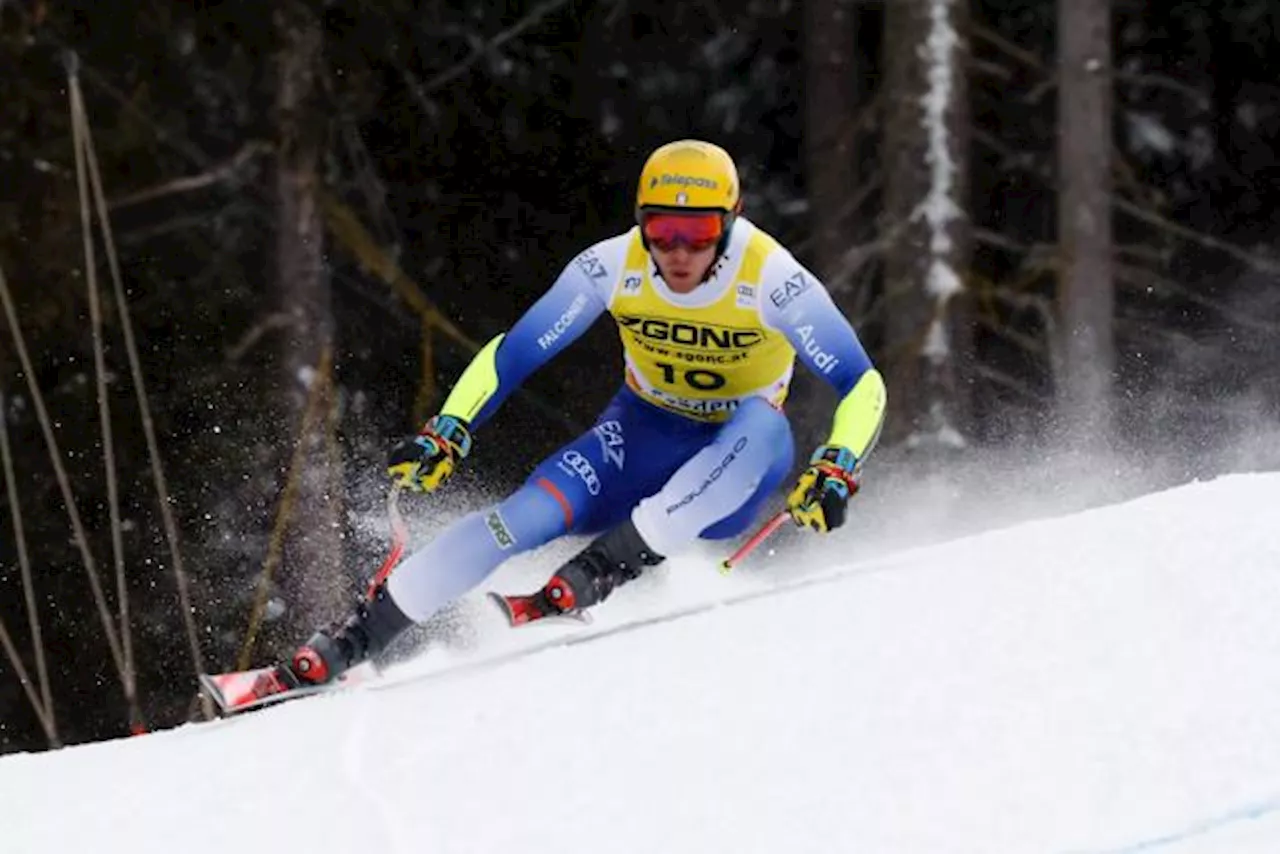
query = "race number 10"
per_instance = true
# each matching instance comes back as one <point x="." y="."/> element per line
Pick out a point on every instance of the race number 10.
<point x="697" y="378"/>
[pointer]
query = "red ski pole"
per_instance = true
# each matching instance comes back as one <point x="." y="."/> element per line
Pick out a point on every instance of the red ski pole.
<point x="756" y="539"/>
<point x="399" y="537"/>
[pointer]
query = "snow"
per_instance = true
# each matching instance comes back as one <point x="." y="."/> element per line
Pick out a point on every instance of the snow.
<point x="936" y="346"/>
<point x="1099" y="682"/>
<point x="1147" y="132"/>
<point x="939" y="434"/>
<point x="940" y="206"/>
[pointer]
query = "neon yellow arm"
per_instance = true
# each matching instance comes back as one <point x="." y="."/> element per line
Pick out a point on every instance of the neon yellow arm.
<point x="476" y="385"/>
<point x="860" y="415"/>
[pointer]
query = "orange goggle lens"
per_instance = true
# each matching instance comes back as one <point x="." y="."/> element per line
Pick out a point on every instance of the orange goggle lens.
<point x="696" y="231"/>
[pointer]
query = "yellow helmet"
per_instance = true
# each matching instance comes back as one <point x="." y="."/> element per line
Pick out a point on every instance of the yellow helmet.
<point x="690" y="175"/>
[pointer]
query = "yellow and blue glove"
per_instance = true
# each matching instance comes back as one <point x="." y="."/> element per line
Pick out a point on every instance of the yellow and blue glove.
<point x="822" y="493"/>
<point x="423" y="462"/>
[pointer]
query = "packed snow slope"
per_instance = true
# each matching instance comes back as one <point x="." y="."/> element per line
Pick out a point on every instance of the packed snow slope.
<point x="1107" y="681"/>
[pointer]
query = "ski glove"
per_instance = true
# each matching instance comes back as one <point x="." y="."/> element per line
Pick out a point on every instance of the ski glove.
<point x="422" y="463"/>
<point x="821" y="494"/>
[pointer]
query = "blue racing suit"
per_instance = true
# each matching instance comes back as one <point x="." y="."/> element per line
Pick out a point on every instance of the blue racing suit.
<point x="694" y="441"/>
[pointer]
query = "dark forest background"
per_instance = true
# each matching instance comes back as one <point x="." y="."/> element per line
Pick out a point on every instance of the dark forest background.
<point x="321" y="209"/>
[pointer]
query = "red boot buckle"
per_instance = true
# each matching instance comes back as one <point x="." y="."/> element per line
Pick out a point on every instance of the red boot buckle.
<point x="560" y="594"/>
<point x="309" y="666"/>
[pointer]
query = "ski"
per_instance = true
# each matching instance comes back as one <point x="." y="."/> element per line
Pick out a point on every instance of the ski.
<point x="522" y="610"/>
<point x="238" y="691"/>
<point x="244" y="690"/>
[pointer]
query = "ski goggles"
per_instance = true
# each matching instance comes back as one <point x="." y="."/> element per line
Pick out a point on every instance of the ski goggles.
<point x="666" y="231"/>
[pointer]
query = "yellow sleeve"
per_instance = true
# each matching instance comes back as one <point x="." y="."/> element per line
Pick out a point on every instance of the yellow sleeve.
<point x="476" y="385"/>
<point x="860" y="415"/>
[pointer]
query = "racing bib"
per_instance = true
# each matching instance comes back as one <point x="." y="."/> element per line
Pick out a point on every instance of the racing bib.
<point x="700" y="361"/>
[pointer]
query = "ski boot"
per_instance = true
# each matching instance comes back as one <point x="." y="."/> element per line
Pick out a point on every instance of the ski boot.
<point x="371" y="629"/>
<point x="612" y="559"/>
<point x="322" y="660"/>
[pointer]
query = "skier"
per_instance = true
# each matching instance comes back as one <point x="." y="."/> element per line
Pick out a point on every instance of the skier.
<point x="712" y="313"/>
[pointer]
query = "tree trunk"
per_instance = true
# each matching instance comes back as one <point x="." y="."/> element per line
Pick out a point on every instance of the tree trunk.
<point x="1086" y="299"/>
<point x="830" y="110"/>
<point x="926" y="157"/>
<point x="831" y="98"/>
<point x="309" y="577"/>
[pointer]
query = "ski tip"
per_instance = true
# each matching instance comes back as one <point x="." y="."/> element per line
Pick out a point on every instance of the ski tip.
<point x="519" y="613"/>
<point x="245" y="690"/>
<point x="210" y="687"/>
<point x="504" y="606"/>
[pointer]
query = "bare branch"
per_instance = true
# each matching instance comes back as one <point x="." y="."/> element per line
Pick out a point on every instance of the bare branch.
<point x="1161" y="81"/>
<point x="15" y="661"/>
<point x="123" y="313"/>
<point x="1041" y="306"/>
<point x="454" y="72"/>
<point x="168" y="226"/>
<point x="56" y="458"/>
<point x="1000" y="378"/>
<point x="857" y="257"/>
<point x="1144" y="278"/>
<point x="1032" y="162"/>
<point x="277" y="320"/>
<point x="222" y="172"/>
<point x="1144" y="253"/>
<point x="1026" y="159"/>
<point x="1257" y="262"/>
<point x="997" y="240"/>
<point x="991" y="69"/>
<point x="991" y="37"/>
<point x="44" y="707"/>
<point x="1040" y="89"/>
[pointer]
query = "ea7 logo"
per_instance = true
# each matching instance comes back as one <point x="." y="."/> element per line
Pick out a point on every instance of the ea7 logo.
<point x="499" y="531"/>
<point x="783" y="295"/>
<point x="612" y="442"/>
<point x="591" y="265"/>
